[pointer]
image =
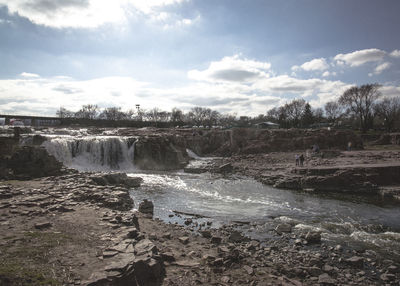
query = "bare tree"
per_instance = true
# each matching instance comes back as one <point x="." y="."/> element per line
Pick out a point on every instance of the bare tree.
<point x="360" y="101"/>
<point x="154" y="114"/>
<point x="389" y="110"/>
<point x="273" y="114"/>
<point x="333" y="111"/>
<point x="88" y="111"/>
<point x="113" y="113"/>
<point x="199" y="114"/>
<point x="227" y="120"/>
<point x="64" y="113"/>
<point x="318" y="114"/>
<point x="295" y="110"/>
<point x="176" y="115"/>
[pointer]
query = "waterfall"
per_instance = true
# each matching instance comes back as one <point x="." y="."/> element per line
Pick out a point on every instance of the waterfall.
<point x="93" y="153"/>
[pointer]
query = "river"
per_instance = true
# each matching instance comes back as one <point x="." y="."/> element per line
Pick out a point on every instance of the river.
<point x="362" y="222"/>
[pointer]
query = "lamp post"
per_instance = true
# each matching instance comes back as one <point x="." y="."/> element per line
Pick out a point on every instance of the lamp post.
<point x="138" y="112"/>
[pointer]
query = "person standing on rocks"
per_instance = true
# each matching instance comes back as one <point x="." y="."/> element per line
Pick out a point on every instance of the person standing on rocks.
<point x="301" y="158"/>
<point x="297" y="159"/>
<point x="349" y="146"/>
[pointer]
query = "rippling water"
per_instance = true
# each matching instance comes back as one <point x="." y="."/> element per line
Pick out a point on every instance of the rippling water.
<point x="340" y="220"/>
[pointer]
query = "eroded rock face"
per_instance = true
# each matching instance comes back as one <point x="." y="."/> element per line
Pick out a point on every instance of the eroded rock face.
<point x="158" y="153"/>
<point x="255" y="141"/>
<point x="33" y="162"/>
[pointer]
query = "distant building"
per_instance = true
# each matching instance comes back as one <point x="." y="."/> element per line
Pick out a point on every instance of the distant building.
<point x="16" y="122"/>
<point x="267" y="125"/>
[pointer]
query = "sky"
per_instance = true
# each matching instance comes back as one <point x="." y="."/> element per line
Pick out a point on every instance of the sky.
<point x="240" y="57"/>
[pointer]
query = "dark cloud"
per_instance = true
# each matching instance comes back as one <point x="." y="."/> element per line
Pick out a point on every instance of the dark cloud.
<point x="234" y="75"/>
<point x="67" y="90"/>
<point x="51" y="6"/>
<point x="213" y="102"/>
<point x="268" y="101"/>
<point x="115" y="94"/>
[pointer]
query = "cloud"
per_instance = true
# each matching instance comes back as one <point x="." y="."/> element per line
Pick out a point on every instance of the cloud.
<point x="390" y="91"/>
<point x="326" y="74"/>
<point x="380" y="68"/>
<point x="315" y="65"/>
<point x="29" y="75"/>
<point x="232" y="69"/>
<point x="3" y="21"/>
<point x="360" y="57"/>
<point x="86" y="13"/>
<point x="231" y="85"/>
<point x="395" y="54"/>
<point x="67" y="90"/>
<point x="321" y="91"/>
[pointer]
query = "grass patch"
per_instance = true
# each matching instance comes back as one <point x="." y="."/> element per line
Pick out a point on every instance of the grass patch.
<point x="25" y="261"/>
<point x="12" y="273"/>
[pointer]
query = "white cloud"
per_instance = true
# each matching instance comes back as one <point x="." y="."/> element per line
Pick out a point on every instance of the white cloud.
<point x="85" y="13"/>
<point x="326" y="74"/>
<point x="29" y="75"/>
<point x="232" y="69"/>
<point x="380" y="68"/>
<point x="390" y="91"/>
<point x="3" y="21"/>
<point x="319" y="90"/>
<point x="360" y="57"/>
<point x="43" y="96"/>
<point x="295" y="68"/>
<point x="231" y="85"/>
<point x="395" y="54"/>
<point x="315" y="65"/>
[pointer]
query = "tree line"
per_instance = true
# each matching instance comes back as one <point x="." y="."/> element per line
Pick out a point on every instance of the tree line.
<point x="361" y="107"/>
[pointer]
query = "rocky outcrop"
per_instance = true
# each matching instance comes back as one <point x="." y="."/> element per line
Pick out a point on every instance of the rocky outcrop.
<point x="159" y="153"/>
<point x="117" y="179"/>
<point x="366" y="178"/>
<point x="255" y="141"/>
<point x="146" y="207"/>
<point x="32" y="162"/>
<point x="133" y="263"/>
<point x="388" y="139"/>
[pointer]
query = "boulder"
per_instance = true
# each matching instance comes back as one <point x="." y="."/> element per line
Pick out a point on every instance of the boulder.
<point x="236" y="237"/>
<point x="325" y="279"/>
<point x="355" y="261"/>
<point x="146" y="207"/>
<point x="283" y="227"/>
<point x="313" y="237"/>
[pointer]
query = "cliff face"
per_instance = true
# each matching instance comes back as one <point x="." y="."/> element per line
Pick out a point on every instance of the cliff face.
<point x="254" y="141"/>
<point x="166" y="149"/>
<point x="159" y="153"/>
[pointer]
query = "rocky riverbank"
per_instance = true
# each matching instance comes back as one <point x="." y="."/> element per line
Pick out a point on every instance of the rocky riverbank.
<point x="77" y="229"/>
<point x="363" y="172"/>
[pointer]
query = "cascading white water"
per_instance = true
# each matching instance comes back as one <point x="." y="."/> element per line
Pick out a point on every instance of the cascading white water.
<point x="93" y="153"/>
